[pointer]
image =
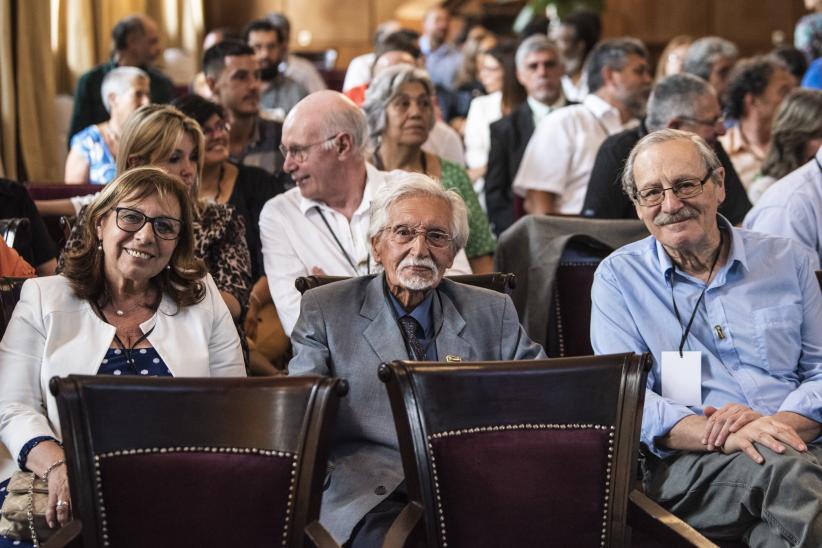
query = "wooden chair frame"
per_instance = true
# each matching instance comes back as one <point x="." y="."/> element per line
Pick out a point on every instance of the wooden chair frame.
<point x="302" y="429"/>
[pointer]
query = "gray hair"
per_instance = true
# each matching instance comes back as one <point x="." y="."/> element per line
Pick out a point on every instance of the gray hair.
<point x="385" y="88"/>
<point x="118" y="81"/>
<point x="709" y="158"/>
<point x="535" y="43"/>
<point x="673" y="97"/>
<point x="612" y="54"/>
<point x="402" y="185"/>
<point x="703" y="53"/>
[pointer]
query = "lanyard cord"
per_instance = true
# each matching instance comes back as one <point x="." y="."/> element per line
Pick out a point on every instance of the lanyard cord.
<point x="339" y="244"/>
<point x="408" y="348"/>
<point x="817" y="163"/>
<point x="126" y="350"/>
<point x="698" y="301"/>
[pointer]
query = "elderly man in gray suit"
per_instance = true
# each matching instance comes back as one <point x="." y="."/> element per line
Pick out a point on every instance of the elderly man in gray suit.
<point x="347" y="329"/>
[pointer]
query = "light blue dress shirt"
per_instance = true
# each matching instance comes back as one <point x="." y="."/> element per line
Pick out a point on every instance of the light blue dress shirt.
<point x="766" y="301"/>
<point x="442" y="63"/>
<point x="792" y="207"/>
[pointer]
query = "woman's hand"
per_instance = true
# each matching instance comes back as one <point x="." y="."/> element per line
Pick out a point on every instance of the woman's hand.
<point x="59" y="505"/>
<point x="47" y="460"/>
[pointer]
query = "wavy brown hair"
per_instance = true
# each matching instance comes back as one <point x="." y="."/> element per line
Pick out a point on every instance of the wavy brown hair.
<point x="83" y="266"/>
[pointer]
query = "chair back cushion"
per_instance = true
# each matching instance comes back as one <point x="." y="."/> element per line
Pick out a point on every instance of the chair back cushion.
<point x="243" y="496"/>
<point x="515" y="485"/>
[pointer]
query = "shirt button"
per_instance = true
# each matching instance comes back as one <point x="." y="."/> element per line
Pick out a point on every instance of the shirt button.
<point x="380" y="490"/>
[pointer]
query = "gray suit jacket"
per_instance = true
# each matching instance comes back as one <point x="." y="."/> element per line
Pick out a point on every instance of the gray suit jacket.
<point x="347" y="329"/>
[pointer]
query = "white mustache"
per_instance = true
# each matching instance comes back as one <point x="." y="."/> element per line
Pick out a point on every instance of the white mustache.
<point x="426" y="262"/>
<point x="684" y="214"/>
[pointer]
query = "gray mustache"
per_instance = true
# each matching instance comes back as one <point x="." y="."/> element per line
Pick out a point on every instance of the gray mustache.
<point x="687" y="212"/>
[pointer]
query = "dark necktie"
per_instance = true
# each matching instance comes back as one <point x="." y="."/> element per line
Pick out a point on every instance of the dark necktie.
<point x="411" y="326"/>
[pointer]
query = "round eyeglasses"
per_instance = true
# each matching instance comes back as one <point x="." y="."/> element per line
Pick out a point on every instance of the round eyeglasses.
<point x="404" y="234"/>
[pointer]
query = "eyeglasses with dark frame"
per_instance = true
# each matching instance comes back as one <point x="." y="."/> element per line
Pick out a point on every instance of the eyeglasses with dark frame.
<point x="710" y="123"/>
<point x="300" y="152"/>
<point x="131" y="220"/>
<point x="404" y="234"/>
<point x="683" y="189"/>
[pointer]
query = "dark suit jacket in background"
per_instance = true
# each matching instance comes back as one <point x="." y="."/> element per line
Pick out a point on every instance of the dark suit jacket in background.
<point x="88" y="101"/>
<point x="347" y="329"/>
<point x="605" y="199"/>
<point x="509" y="137"/>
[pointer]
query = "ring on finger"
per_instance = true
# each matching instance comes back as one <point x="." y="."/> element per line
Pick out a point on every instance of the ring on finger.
<point x="62" y="504"/>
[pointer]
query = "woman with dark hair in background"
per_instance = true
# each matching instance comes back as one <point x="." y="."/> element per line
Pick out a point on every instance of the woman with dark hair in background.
<point x="247" y="188"/>
<point x="498" y="74"/>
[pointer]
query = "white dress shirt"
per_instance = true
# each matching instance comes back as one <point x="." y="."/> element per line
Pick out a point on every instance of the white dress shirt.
<point x="296" y="239"/>
<point x="561" y="153"/>
<point x="483" y="111"/>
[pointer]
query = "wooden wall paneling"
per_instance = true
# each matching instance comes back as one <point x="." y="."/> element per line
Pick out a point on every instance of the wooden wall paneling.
<point x="750" y="23"/>
<point x="345" y="25"/>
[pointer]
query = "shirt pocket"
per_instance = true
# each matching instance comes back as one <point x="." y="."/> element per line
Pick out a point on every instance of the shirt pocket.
<point x="779" y="336"/>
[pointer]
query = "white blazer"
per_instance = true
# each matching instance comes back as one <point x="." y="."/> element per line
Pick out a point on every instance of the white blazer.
<point x="53" y="333"/>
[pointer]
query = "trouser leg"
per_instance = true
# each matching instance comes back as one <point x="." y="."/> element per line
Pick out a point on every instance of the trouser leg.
<point x="725" y="496"/>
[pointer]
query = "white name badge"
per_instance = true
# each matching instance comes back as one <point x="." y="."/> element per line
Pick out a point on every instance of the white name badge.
<point x="682" y="377"/>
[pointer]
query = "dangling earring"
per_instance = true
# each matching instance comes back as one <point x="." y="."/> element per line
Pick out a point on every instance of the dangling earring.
<point x="168" y="267"/>
<point x="99" y="245"/>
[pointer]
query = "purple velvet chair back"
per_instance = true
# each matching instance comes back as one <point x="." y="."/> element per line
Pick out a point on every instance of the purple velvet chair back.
<point x="531" y="453"/>
<point x="569" y="319"/>
<point x="196" y="462"/>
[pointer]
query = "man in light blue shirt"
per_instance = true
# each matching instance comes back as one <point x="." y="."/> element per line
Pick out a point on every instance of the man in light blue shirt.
<point x="732" y="320"/>
<point x="792" y="207"/>
<point x="442" y="60"/>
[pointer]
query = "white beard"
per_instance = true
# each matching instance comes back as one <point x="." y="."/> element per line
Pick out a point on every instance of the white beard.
<point x="416" y="282"/>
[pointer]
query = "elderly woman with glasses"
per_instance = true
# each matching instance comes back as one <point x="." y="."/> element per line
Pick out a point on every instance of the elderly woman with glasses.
<point x="132" y="299"/>
<point x="400" y="113"/>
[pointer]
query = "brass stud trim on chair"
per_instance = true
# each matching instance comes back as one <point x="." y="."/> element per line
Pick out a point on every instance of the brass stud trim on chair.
<point x="196" y="449"/>
<point x="529" y="426"/>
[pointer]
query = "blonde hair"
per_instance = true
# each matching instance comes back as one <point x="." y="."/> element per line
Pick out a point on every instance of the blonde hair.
<point x="150" y="136"/>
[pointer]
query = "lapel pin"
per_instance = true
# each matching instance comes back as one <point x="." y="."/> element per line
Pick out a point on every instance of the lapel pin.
<point x="452" y="359"/>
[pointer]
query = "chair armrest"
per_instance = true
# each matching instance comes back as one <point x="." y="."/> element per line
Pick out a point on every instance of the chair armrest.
<point x="656" y="522"/>
<point x="319" y="536"/>
<point x="68" y="535"/>
<point x="404" y="526"/>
